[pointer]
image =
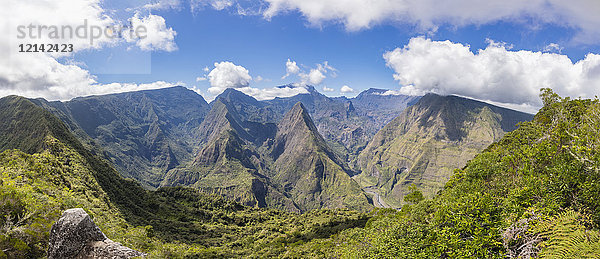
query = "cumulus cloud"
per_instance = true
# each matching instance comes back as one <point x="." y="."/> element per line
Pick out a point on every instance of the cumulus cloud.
<point x="49" y="79"/>
<point x="69" y="13"/>
<point x="346" y="89"/>
<point x="271" y="93"/>
<point x="389" y="92"/>
<point x="40" y="74"/>
<point x="327" y="89"/>
<point x="428" y="15"/>
<point x="157" y="36"/>
<point x="291" y="68"/>
<point x="316" y="75"/>
<point x="227" y="75"/>
<point x="495" y="73"/>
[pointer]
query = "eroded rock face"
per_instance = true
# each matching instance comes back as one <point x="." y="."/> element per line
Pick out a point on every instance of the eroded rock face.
<point x="75" y="235"/>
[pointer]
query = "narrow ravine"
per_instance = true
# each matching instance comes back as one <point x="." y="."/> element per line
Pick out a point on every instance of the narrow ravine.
<point x="377" y="200"/>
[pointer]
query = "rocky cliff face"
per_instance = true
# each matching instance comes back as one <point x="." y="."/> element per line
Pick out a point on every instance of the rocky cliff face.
<point x="144" y="133"/>
<point x="75" y="235"/>
<point x="428" y="141"/>
<point x="228" y="163"/>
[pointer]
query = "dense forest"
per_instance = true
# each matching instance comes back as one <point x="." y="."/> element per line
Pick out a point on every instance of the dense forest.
<point x="535" y="192"/>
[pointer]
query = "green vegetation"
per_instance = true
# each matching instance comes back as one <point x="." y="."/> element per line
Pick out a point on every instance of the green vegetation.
<point x="307" y="169"/>
<point x="170" y="222"/>
<point x="290" y="167"/>
<point x="184" y="222"/>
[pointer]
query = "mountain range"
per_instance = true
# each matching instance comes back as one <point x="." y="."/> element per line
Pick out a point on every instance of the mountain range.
<point x="260" y="185"/>
<point x="427" y="141"/>
<point x="297" y="153"/>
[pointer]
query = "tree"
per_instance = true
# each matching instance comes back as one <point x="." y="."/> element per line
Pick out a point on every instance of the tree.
<point x="414" y="196"/>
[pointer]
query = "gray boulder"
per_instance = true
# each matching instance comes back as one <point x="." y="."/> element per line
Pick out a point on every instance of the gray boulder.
<point x="75" y="235"/>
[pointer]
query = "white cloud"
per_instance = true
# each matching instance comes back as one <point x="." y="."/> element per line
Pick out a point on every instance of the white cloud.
<point x="390" y="92"/>
<point x="49" y="79"/>
<point x="259" y="79"/>
<point x="163" y="5"/>
<point x="494" y="73"/>
<point x="221" y="4"/>
<point x="227" y="75"/>
<point x="68" y="13"/>
<point x="346" y="89"/>
<point x="157" y="37"/>
<point x="427" y="15"/>
<point x="201" y="78"/>
<point x="215" y="4"/>
<point x="271" y="93"/>
<point x="553" y="47"/>
<point x="317" y="75"/>
<point x="206" y="69"/>
<point x="291" y="68"/>
<point x="327" y="89"/>
<point x="40" y="74"/>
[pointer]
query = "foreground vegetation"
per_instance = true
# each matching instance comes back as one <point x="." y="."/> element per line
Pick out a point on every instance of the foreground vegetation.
<point x="180" y="221"/>
<point x="534" y="193"/>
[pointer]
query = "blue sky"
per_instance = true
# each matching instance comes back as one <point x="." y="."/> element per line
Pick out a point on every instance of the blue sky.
<point x="497" y="51"/>
<point x="208" y="36"/>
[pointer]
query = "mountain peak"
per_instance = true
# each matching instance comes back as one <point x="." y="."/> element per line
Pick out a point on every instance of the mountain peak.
<point x="299" y="108"/>
<point x="231" y="94"/>
<point x="298" y="118"/>
<point x="220" y="118"/>
<point x="308" y="169"/>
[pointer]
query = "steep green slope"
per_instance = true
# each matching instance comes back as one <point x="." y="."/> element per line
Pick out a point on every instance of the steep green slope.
<point x="144" y="133"/>
<point x="59" y="173"/>
<point x="428" y="141"/>
<point x="308" y="170"/>
<point x="184" y="223"/>
<point x="228" y="163"/>
<point x="257" y="164"/>
<point x="24" y="126"/>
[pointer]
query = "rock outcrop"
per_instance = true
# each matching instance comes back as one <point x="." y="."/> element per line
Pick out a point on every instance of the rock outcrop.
<point x="75" y="235"/>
